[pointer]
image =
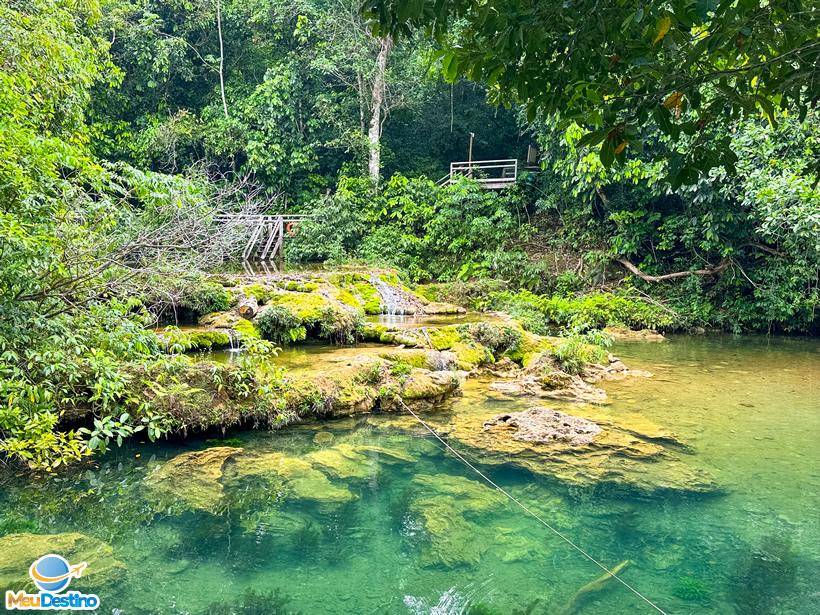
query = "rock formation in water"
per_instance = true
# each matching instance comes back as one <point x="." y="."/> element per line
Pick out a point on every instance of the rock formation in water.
<point x="544" y="426"/>
<point x="18" y="551"/>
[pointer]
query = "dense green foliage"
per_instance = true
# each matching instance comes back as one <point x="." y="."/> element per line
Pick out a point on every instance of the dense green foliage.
<point x="681" y="66"/>
<point x="427" y="231"/>
<point x="124" y="126"/>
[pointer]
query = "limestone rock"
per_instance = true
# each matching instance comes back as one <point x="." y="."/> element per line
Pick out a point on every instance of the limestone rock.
<point x="628" y="335"/>
<point x="19" y="551"/>
<point x="443" y="308"/>
<point x="429" y="387"/>
<point x="543" y="425"/>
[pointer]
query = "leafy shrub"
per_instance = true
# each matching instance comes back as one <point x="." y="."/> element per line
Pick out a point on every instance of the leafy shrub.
<point x="278" y="324"/>
<point x="498" y="339"/>
<point x="341" y="326"/>
<point x="592" y="311"/>
<point x="572" y="354"/>
<point x="207" y="298"/>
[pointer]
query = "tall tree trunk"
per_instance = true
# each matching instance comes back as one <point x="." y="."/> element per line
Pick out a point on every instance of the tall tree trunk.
<point x="221" y="57"/>
<point x="376" y="103"/>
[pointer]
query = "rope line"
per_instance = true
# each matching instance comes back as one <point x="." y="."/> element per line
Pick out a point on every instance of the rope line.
<point x="533" y="514"/>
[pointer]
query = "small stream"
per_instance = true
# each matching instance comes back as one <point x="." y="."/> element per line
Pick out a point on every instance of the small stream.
<point x="749" y="407"/>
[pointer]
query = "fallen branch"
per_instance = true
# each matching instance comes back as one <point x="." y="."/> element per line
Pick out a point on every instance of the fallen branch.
<point x="723" y="264"/>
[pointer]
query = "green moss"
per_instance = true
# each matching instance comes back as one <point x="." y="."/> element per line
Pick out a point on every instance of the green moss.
<point x="348" y="298"/>
<point x="247" y="329"/>
<point x="470" y="355"/>
<point x="390" y="278"/>
<point x="260" y="293"/>
<point x="373" y="333"/>
<point x="369" y="297"/>
<point x="205" y="340"/>
<point x="307" y="307"/>
<point x="309" y="287"/>
<point x="531" y="345"/>
<point x="444" y="338"/>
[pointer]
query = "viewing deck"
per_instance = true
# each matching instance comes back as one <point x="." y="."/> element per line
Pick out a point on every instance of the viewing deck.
<point x="491" y="174"/>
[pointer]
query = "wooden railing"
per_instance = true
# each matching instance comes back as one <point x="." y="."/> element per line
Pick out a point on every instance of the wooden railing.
<point x="266" y="233"/>
<point x="491" y="174"/>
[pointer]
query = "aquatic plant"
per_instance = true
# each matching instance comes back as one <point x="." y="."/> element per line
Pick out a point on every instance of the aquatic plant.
<point x="691" y="589"/>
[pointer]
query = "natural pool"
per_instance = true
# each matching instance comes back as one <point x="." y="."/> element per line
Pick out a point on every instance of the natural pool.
<point x="393" y="524"/>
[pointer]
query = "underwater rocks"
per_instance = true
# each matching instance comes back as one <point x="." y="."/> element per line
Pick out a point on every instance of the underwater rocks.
<point x="445" y="511"/>
<point x="191" y="478"/>
<point x="202" y="480"/>
<point x="18" y="551"/>
<point x="543" y="425"/>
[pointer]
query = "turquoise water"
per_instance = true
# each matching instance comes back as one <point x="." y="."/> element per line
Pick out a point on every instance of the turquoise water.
<point x="407" y="529"/>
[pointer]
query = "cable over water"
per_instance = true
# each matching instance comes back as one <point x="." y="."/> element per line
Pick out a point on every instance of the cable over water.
<point x="530" y="512"/>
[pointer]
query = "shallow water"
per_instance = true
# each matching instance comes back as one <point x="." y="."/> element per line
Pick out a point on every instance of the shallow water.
<point x="748" y="407"/>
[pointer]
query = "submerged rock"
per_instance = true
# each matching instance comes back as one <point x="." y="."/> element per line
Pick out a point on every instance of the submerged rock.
<point x="543" y="425"/>
<point x="443" y="507"/>
<point x="191" y="479"/>
<point x="18" y="551"/>
<point x="293" y="478"/>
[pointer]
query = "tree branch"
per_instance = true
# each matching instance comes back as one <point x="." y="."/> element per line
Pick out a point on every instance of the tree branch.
<point x="723" y="264"/>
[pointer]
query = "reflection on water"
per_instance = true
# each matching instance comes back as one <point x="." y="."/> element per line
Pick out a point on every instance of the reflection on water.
<point x="368" y="519"/>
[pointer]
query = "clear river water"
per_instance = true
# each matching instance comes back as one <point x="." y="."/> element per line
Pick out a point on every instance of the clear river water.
<point x="748" y="408"/>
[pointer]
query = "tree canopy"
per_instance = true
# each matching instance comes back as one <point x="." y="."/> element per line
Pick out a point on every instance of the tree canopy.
<point x="617" y="67"/>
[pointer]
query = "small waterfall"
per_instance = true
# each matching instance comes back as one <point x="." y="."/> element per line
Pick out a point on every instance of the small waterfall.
<point x="392" y="303"/>
<point x="233" y="336"/>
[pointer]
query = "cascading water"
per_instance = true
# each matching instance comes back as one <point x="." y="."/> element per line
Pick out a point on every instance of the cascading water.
<point x="392" y="303"/>
<point x="233" y="336"/>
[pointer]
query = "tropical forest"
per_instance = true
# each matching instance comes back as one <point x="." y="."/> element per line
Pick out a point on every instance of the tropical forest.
<point x="424" y="307"/>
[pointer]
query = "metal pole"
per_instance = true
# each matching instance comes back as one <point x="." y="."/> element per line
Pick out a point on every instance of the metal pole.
<point x="470" y="154"/>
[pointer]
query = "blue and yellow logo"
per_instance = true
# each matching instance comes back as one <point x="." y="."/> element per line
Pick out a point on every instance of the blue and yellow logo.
<point x="52" y="574"/>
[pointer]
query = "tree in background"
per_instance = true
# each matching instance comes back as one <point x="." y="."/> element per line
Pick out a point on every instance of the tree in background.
<point x="618" y="67"/>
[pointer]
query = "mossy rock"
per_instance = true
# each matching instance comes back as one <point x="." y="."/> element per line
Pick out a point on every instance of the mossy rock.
<point x="19" y="551"/>
<point x="444" y="338"/>
<point x="307" y="307"/>
<point x="370" y="298"/>
<point x="247" y="329"/>
<point x="191" y="480"/>
<point x="432" y="387"/>
<point x="530" y="347"/>
<point x="207" y="340"/>
<point x="220" y="320"/>
<point x="435" y="308"/>
<point x="261" y="293"/>
<point x="433" y="360"/>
